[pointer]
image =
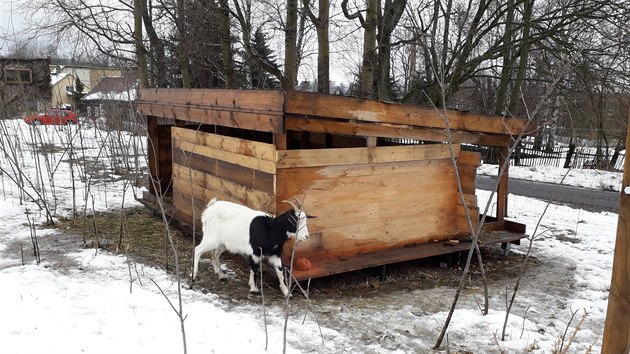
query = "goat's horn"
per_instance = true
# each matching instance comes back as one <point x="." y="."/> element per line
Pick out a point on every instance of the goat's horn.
<point x="295" y="208"/>
<point x="298" y="202"/>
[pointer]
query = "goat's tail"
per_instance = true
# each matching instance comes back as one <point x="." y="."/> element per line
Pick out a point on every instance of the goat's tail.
<point x="206" y="210"/>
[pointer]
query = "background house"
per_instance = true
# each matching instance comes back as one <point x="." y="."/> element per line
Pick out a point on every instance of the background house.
<point x="113" y="99"/>
<point x="89" y="76"/>
<point x="66" y="91"/>
<point x="24" y="86"/>
<point x="63" y="89"/>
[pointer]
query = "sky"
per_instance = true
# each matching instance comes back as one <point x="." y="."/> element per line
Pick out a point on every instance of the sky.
<point x="11" y="22"/>
<point x="81" y="302"/>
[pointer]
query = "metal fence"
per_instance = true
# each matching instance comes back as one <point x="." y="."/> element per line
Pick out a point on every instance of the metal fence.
<point x="559" y="156"/>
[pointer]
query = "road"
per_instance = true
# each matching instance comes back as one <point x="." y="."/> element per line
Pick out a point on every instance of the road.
<point x="588" y="199"/>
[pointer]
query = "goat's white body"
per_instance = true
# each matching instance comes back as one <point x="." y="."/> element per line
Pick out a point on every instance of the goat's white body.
<point x="227" y="224"/>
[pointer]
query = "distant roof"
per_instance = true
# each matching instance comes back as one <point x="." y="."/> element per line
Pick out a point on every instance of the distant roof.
<point x="55" y="78"/>
<point x="121" y="88"/>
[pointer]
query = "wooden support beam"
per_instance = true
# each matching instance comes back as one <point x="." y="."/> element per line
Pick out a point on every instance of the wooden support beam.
<point x="617" y="327"/>
<point x="280" y="141"/>
<point x="502" y="189"/>
<point x="153" y="154"/>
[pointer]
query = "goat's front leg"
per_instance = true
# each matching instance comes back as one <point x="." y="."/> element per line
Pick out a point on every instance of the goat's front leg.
<point x="277" y="266"/>
<point x="254" y="266"/>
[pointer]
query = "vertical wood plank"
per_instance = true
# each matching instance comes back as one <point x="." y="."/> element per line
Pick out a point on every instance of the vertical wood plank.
<point x="280" y="141"/>
<point x="152" y="151"/>
<point x="617" y="327"/>
<point x="502" y="189"/>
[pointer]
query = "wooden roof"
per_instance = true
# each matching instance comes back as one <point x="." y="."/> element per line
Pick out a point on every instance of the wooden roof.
<point x="277" y="111"/>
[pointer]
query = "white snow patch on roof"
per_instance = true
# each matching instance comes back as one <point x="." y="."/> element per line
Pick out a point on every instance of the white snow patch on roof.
<point x="55" y="78"/>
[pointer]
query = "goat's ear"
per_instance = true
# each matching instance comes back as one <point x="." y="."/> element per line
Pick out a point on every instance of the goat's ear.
<point x="310" y="216"/>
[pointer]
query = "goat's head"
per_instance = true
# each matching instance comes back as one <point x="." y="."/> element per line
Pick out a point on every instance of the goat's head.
<point x="298" y="220"/>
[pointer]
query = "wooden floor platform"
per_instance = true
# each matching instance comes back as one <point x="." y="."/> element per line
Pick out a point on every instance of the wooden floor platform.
<point x="335" y="266"/>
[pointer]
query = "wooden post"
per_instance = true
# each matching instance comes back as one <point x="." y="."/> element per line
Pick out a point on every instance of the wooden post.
<point x="153" y="154"/>
<point x="617" y="327"/>
<point x="280" y="141"/>
<point x="502" y="189"/>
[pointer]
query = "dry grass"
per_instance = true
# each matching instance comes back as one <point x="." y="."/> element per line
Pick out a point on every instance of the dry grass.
<point x="136" y="230"/>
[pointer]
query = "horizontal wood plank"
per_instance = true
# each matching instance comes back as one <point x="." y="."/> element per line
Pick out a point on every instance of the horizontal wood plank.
<point x="367" y="155"/>
<point x="244" y="176"/>
<point x="327" y="266"/>
<point x="362" y="190"/>
<point x="233" y="158"/>
<point x="312" y="104"/>
<point x="235" y="191"/>
<point x="253" y="199"/>
<point x="235" y="119"/>
<point x="262" y="101"/>
<point x="332" y="179"/>
<point x="238" y="146"/>
<point x="388" y="130"/>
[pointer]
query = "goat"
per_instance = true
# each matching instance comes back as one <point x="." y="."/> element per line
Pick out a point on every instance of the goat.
<point x="238" y="229"/>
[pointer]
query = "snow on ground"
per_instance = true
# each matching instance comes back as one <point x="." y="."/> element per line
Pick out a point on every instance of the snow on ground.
<point x="595" y="179"/>
<point x="87" y="303"/>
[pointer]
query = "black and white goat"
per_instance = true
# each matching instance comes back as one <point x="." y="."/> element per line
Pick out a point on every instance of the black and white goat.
<point x="238" y="229"/>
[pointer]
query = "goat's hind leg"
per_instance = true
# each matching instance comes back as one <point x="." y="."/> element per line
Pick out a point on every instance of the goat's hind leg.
<point x="216" y="262"/>
<point x="199" y="251"/>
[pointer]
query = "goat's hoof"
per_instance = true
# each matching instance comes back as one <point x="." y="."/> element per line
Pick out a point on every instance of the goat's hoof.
<point x="255" y="292"/>
<point x="223" y="277"/>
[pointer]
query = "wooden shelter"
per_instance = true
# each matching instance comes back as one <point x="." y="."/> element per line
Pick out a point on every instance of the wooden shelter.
<point x="377" y="175"/>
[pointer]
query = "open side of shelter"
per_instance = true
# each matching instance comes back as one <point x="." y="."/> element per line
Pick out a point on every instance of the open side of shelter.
<point x="378" y="176"/>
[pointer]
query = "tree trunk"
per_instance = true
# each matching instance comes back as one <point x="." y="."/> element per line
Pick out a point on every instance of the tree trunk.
<point x="141" y="55"/>
<point x="290" y="46"/>
<point x="226" y="44"/>
<point x="323" y="46"/>
<point x="506" y="69"/>
<point x="182" y="46"/>
<point x="388" y="22"/>
<point x="369" y="49"/>
<point x="528" y="6"/>
<point x="321" y="23"/>
<point x="157" y="48"/>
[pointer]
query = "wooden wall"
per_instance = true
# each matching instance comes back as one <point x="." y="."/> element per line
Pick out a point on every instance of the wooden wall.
<point x="366" y="199"/>
<point x="259" y="110"/>
<point x="377" y="198"/>
<point x="206" y="165"/>
<point x="467" y="165"/>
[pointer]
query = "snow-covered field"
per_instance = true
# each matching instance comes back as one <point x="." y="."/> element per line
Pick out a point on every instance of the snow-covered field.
<point x="85" y="304"/>
<point x="595" y="179"/>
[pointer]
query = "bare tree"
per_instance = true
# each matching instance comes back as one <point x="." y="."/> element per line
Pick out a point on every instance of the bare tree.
<point x="321" y="23"/>
<point x="369" y="25"/>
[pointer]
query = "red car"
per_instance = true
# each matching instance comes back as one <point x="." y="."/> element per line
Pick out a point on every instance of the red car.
<point x="53" y="116"/>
